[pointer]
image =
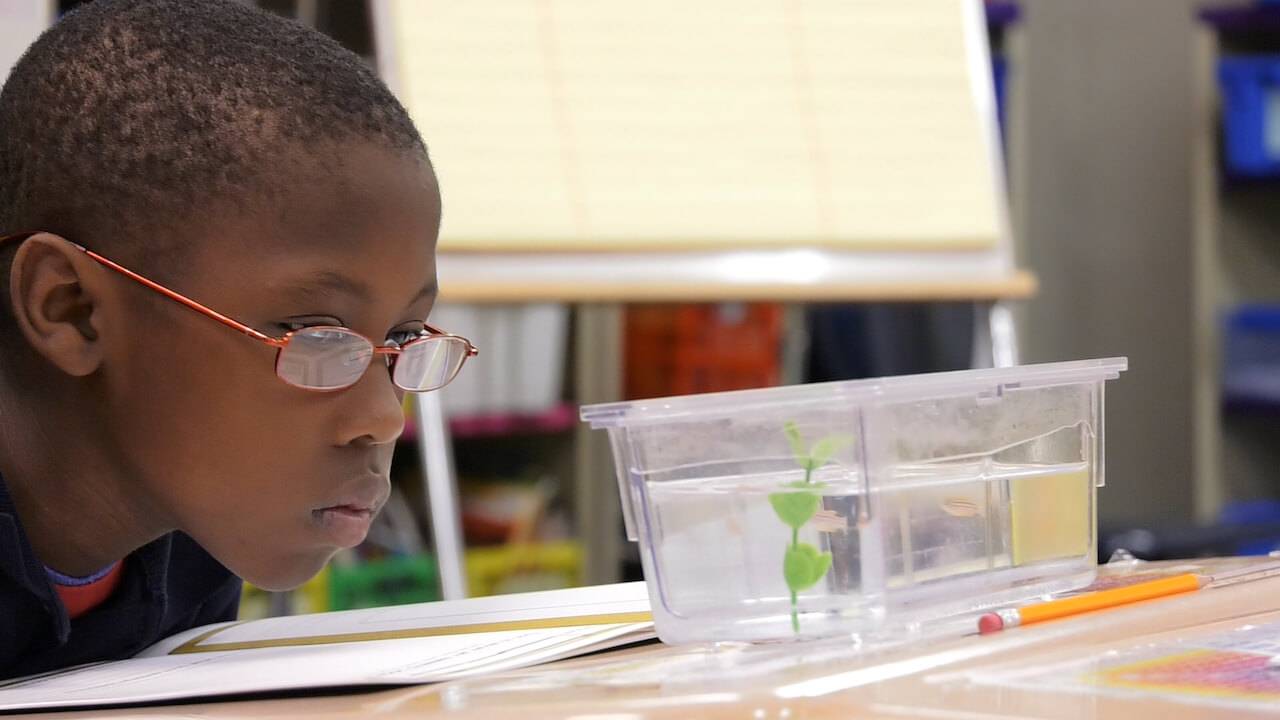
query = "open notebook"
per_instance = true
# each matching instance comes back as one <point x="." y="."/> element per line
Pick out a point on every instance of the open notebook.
<point x="406" y="644"/>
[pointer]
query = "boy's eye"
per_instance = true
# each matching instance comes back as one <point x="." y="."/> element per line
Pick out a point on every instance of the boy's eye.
<point x="399" y="337"/>
<point x="297" y="324"/>
<point x="402" y="337"/>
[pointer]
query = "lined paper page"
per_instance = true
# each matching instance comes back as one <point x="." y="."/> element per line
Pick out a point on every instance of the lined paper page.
<point x="721" y="123"/>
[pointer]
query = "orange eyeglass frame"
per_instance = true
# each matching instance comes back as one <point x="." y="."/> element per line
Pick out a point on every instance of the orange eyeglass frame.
<point x="278" y="343"/>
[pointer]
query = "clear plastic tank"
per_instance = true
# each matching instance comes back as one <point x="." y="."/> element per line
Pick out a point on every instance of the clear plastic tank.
<point x="843" y="508"/>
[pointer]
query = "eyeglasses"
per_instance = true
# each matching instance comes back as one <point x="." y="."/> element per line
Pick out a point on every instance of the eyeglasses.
<point x="330" y="358"/>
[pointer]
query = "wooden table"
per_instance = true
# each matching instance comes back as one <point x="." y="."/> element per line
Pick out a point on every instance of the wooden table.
<point x="776" y="682"/>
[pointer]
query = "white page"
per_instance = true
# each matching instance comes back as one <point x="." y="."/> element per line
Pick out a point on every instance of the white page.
<point x="221" y="663"/>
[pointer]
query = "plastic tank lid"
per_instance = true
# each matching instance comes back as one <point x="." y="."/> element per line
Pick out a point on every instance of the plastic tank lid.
<point x="902" y="388"/>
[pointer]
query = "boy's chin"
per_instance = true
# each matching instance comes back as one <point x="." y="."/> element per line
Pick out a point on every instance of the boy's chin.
<point x="277" y="574"/>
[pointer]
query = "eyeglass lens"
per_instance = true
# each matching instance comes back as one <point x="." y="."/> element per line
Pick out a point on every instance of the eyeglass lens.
<point x="336" y="358"/>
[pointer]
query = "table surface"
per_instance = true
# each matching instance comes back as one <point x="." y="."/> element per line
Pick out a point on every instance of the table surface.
<point x="953" y="678"/>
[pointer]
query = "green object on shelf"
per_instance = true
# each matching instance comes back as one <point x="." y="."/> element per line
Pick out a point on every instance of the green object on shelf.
<point x="386" y="581"/>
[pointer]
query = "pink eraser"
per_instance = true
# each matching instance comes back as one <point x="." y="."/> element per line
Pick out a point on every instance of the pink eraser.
<point x="990" y="623"/>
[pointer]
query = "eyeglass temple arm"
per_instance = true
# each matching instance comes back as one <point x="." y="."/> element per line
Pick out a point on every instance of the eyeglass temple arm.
<point x="181" y="299"/>
<point x="229" y="322"/>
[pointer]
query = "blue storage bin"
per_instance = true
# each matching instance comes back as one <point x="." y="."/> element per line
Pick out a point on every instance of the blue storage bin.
<point x="1257" y="515"/>
<point x="1251" y="367"/>
<point x="1251" y="114"/>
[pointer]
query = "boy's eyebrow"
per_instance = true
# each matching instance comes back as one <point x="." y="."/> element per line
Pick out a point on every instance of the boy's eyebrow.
<point x="327" y="282"/>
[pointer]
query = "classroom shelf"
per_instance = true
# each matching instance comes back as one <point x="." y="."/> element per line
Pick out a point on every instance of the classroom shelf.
<point x="558" y="419"/>
<point x="1235" y="259"/>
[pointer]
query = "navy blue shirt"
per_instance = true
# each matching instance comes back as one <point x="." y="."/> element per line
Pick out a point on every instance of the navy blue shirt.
<point x="167" y="586"/>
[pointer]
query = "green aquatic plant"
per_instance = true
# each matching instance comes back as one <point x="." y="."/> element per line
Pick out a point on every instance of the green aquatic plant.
<point x="803" y="565"/>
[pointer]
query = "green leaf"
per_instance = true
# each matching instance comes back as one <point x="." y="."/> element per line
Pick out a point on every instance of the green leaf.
<point x="823" y="565"/>
<point x="798" y="448"/>
<point x="795" y="508"/>
<point x="826" y="448"/>
<point x="803" y="566"/>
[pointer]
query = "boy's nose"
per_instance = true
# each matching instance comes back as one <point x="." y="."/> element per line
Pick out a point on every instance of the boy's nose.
<point x="373" y="411"/>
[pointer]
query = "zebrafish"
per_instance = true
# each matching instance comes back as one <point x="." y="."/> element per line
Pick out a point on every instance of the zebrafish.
<point x="829" y="521"/>
<point x="961" y="507"/>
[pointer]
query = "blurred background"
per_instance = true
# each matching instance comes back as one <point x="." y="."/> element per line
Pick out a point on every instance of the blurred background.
<point x="1141" y="141"/>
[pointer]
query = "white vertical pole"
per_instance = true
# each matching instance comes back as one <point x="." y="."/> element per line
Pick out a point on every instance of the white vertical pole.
<point x="995" y="337"/>
<point x="1004" y="335"/>
<point x="442" y="495"/>
<point x="433" y="434"/>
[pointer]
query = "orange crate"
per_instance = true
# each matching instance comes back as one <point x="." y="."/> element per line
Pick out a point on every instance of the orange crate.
<point x="685" y="349"/>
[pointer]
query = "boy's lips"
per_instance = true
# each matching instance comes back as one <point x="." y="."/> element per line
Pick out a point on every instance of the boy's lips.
<point x="368" y="495"/>
<point x="346" y="521"/>
<point x="345" y="526"/>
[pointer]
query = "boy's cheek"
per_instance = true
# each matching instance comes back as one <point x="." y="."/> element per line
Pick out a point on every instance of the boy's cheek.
<point x="258" y="525"/>
<point x="220" y="434"/>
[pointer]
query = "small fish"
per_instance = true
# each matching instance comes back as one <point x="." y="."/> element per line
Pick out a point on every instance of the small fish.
<point x="961" y="507"/>
<point x="830" y="521"/>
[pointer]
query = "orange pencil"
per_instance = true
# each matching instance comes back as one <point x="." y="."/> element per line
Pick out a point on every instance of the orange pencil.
<point x="1101" y="600"/>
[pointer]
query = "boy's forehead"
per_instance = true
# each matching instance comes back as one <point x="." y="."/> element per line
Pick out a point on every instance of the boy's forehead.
<point x="352" y="225"/>
<point x="356" y="183"/>
<point x="345" y="195"/>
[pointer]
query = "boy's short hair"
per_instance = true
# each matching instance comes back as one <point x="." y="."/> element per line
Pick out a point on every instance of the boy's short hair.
<point x="128" y="118"/>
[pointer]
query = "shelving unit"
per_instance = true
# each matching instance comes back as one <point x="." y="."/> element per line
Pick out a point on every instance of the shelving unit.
<point x="558" y="419"/>
<point x="1236" y="260"/>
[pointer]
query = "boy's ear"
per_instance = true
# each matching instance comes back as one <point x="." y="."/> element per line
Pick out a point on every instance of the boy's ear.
<point x="55" y="302"/>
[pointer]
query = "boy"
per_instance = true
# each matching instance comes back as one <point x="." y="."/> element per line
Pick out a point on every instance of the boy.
<point x="206" y="212"/>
